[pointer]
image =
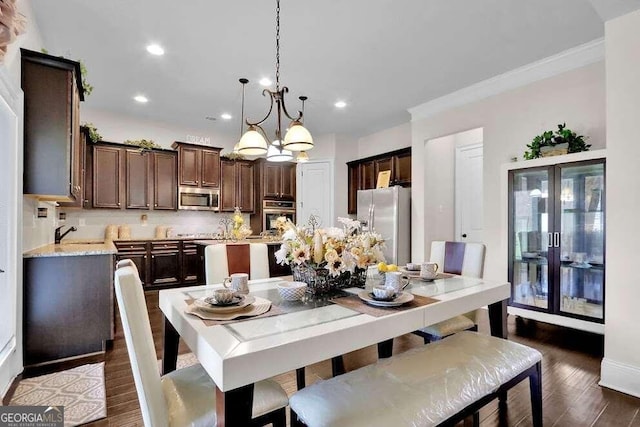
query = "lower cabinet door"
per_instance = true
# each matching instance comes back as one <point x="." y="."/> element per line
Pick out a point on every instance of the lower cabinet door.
<point x="165" y="268"/>
<point x="140" y="260"/>
<point x="190" y="266"/>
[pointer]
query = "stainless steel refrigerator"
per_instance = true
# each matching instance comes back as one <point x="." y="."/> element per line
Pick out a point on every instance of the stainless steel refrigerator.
<point x="388" y="211"/>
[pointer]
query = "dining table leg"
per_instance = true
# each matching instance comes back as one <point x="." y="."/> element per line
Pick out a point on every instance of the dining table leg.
<point x="498" y="319"/>
<point x="234" y="407"/>
<point x="385" y="349"/>
<point x="170" y="344"/>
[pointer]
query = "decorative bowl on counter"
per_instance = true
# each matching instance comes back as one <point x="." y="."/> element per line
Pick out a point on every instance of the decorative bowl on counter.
<point x="292" y="291"/>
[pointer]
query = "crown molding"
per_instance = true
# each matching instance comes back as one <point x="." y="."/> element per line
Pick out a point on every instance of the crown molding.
<point x="562" y="62"/>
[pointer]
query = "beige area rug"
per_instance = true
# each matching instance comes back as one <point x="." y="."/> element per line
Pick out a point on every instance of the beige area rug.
<point x="80" y="390"/>
<point x="184" y="361"/>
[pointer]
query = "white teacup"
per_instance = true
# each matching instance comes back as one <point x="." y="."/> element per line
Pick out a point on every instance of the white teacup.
<point x="395" y="281"/>
<point x="223" y="296"/>
<point x="429" y="270"/>
<point x="382" y="292"/>
<point x="238" y="282"/>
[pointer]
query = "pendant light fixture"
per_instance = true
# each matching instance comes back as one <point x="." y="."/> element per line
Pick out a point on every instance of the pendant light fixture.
<point x="244" y="82"/>
<point x="297" y="138"/>
<point x="302" y="155"/>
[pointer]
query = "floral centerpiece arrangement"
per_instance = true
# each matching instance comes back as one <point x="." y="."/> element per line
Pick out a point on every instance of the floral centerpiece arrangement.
<point x="326" y="258"/>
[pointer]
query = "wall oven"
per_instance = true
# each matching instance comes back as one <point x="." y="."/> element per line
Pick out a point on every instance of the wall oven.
<point x="199" y="199"/>
<point x="272" y="209"/>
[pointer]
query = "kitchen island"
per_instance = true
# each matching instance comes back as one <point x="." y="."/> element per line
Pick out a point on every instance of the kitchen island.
<point x="68" y="302"/>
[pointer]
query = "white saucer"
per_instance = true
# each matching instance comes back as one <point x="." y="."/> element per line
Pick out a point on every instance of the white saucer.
<point x="402" y="298"/>
<point x="202" y="305"/>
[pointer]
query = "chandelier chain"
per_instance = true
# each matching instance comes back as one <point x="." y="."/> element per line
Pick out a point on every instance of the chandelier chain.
<point x="277" y="45"/>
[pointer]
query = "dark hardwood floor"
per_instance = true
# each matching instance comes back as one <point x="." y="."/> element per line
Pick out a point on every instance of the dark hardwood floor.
<point x="571" y="368"/>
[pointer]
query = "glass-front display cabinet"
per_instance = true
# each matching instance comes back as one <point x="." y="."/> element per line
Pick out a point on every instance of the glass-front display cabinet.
<point x="556" y="239"/>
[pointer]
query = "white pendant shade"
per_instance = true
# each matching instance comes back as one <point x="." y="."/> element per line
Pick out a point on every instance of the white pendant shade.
<point x="235" y="147"/>
<point x="302" y="157"/>
<point x="274" y="154"/>
<point x="252" y="143"/>
<point x="298" y="138"/>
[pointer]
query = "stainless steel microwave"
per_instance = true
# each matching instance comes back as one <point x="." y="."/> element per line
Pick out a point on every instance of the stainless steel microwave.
<point x="199" y="199"/>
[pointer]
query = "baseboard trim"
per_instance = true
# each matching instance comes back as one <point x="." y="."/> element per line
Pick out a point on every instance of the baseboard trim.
<point x="620" y="377"/>
<point x="11" y="390"/>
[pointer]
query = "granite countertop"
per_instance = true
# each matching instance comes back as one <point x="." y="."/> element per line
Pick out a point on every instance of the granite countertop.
<point x="207" y="242"/>
<point x="73" y="248"/>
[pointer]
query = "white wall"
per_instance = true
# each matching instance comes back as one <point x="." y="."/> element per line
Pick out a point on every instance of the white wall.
<point x="385" y="140"/>
<point x="11" y="364"/>
<point x="621" y="365"/>
<point x="510" y="120"/>
<point x="439" y="185"/>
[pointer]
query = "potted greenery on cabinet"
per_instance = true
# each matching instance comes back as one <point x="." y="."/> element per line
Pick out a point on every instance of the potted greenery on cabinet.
<point x="551" y="143"/>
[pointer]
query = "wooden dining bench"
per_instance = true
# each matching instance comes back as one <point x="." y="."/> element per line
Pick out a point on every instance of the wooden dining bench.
<point x="438" y="384"/>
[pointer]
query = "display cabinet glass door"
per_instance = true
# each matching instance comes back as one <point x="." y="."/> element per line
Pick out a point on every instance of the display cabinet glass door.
<point x="530" y="222"/>
<point x="580" y="238"/>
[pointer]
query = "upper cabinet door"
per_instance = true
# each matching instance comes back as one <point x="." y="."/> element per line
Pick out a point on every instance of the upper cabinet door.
<point x="189" y="166"/>
<point x="271" y="180"/>
<point x="380" y="166"/>
<point x="288" y="189"/>
<point x="137" y="182"/>
<point x="165" y="182"/>
<point x="106" y="177"/>
<point x="401" y="174"/>
<point x="354" y="186"/>
<point x="210" y="176"/>
<point x="367" y="176"/>
<point x="228" y="185"/>
<point x="245" y="189"/>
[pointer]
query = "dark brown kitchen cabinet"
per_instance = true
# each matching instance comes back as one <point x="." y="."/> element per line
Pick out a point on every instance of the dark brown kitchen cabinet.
<point x="165" y="181"/>
<point x="53" y="90"/>
<point x="106" y="176"/>
<point x="198" y="166"/>
<point x="137" y="179"/>
<point x="277" y="180"/>
<point x="363" y="173"/>
<point x="79" y="172"/>
<point x="136" y="251"/>
<point x="165" y="263"/>
<point x="401" y="169"/>
<point x="237" y="186"/>
<point x="162" y="263"/>
<point x="190" y="263"/>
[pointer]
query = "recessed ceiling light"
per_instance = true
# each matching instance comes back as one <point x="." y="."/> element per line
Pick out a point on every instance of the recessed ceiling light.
<point x="265" y="81"/>
<point x="141" y="99"/>
<point x="225" y="116"/>
<point x="155" y="49"/>
<point x="340" y="104"/>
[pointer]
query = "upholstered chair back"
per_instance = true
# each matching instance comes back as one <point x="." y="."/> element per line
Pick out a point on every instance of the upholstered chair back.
<point x="142" y="352"/>
<point x="223" y="260"/>
<point x="466" y="259"/>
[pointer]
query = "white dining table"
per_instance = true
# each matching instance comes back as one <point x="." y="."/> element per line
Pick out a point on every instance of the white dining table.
<point x="236" y="355"/>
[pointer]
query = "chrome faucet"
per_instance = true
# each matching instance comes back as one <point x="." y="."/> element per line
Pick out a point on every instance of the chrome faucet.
<point x="58" y="237"/>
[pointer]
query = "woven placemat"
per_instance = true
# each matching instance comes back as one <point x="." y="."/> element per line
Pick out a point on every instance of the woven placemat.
<point x="355" y="303"/>
<point x="248" y="313"/>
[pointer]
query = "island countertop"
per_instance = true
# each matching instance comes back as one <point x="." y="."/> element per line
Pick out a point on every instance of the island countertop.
<point x="73" y="248"/>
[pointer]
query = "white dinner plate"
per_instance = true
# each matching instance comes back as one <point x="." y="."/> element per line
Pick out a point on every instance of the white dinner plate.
<point x="402" y="298"/>
<point x="202" y="305"/>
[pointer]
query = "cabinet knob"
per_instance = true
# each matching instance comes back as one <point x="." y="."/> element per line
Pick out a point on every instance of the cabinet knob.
<point x="118" y="203"/>
<point x="156" y="205"/>
<point x="464" y="235"/>
<point x="147" y="204"/>
<point x="196" y="181"/>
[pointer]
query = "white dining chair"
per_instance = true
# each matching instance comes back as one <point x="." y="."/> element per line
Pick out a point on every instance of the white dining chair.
<point x="465" y="259"/>
<point x="217" y="262"/>
<point x="185" y="397"/>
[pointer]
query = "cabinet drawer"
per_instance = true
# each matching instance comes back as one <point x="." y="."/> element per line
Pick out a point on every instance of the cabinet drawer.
<point x="165" y="246"/>
<point x="128" y="247"/>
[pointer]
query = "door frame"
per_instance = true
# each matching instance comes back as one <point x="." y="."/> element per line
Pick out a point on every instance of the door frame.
<point x="11" y="356"/>
<point x="300" y="189"/>
<point x="457" y="207"/>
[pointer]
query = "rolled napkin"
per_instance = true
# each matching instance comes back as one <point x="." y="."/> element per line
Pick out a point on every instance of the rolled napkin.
<point x="111" y="232"/>
<point x="124" y="232"/>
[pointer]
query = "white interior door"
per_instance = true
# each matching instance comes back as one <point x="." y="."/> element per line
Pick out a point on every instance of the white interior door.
<point x="10" y="268"/>
<point x="315" y="192"/>
<point x="468" y="193"/>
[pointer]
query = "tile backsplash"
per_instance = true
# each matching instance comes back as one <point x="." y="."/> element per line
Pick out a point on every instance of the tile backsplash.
<point x="91" y="223"/>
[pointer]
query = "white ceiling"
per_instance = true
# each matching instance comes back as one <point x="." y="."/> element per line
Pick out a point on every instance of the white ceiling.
<point x="380" y="56"/>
